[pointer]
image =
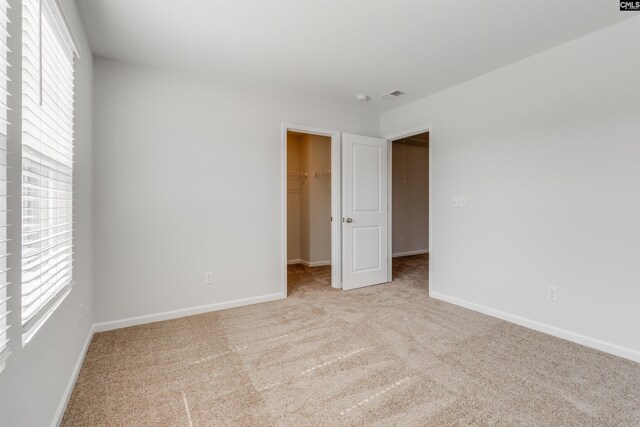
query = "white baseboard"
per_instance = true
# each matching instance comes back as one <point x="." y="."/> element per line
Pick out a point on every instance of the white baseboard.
<point x="174" y="314"/>
<point x="409" y="253"/>
<point x="308" y="263"/>
<point x="62" y="406"/>
<point x="315" y="263"/>
<point x="607" y="347"/>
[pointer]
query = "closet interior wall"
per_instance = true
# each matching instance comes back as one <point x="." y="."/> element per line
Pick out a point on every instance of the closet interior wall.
<point x="308" y="199"/>
<point x="410" y="195"/>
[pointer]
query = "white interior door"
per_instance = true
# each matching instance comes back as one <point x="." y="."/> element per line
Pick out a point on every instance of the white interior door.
<point x="364" y="226"/>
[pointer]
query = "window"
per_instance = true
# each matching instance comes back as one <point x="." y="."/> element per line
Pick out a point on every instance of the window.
<point x="4" y="65"/>
<point x="47" y="162"/>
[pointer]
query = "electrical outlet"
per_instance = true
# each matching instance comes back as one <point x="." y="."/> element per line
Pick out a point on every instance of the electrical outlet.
<point x="459" y="201"/>
<point x="552" y="293"/>
<point x="208" y="278"/>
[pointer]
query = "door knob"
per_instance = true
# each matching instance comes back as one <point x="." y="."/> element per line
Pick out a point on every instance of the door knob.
<point x="349" y="220"/>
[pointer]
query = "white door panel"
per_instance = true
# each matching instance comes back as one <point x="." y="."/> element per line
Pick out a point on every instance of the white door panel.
<point x="365" y="211"/>
<point x="368" y="240"/>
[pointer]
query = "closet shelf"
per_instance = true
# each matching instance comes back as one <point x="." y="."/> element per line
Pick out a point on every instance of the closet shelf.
<point x="324" y="172"/>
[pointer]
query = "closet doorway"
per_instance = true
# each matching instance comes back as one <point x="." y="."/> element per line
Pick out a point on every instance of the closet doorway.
<point x="312" y="238"/>
<point x="410" y="204"/>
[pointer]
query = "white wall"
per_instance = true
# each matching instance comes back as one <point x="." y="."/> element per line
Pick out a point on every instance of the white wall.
<point x="547" y="151"/>
<point x="410" y="198"/>
<point x="34" y="383"/>
<point x="188" y="179"/>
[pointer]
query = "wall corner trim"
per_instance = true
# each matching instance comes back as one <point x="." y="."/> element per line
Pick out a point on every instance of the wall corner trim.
<point x="607" y="347"/>
<point x="62" y="406"/>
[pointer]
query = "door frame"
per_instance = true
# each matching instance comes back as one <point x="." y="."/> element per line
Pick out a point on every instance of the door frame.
<point x="390" y="138"/>
<point x="336" y="206"/>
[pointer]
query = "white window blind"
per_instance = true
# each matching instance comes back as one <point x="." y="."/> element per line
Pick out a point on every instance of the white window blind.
<point x="47" y="162"/>
<point x="4" y="94"/>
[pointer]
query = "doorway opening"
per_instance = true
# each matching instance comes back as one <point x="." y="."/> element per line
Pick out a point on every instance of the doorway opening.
<point x="410" y="205"/>
<point x="310" y="199"/>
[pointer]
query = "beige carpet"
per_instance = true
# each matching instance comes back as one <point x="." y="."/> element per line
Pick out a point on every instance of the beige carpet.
<point x="385" y="355"/>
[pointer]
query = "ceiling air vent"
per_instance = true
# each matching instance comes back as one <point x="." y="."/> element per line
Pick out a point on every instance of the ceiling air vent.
<point x="393" y="95"/>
